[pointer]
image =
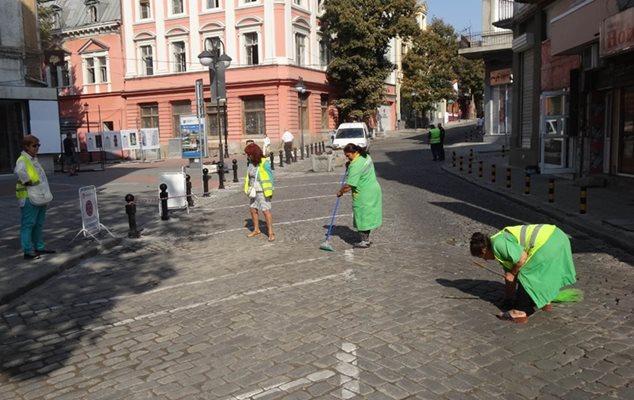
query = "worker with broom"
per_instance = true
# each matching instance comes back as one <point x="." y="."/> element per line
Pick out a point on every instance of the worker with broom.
<point x="537" y="261"/>
<point x="361" y="180"/>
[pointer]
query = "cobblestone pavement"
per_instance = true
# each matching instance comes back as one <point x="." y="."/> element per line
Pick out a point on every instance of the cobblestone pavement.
<point x="196" y="310"/>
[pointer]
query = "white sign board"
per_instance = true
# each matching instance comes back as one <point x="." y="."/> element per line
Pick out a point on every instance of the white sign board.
<point x="93" y="142"/>
<point x="129" y="140"/>
<point x="44" y="124"/>
<point x="176" y="190"/>
<point x="111" y="140"/>
<point x="150" y="138"/>
<point x="89" y="211"/>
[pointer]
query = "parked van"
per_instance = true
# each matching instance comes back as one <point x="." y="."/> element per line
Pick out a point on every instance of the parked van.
<point x="352" y="132"/>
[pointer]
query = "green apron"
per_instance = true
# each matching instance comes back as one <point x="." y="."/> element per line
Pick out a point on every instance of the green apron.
<point x="367" y="204"/>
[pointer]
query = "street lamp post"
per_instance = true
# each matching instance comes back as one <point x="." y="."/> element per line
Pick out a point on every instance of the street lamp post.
<point x="414" y="109"/>
<point x="214" y="60"/>
<point x="86" y="106"/>
<point x="301" y="89"/>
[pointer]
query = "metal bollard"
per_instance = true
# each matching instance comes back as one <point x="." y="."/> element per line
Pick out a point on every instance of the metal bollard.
<point x="281" y="159"/>
<point x="130" y="209"/>
<point x="470" y="153"/>
<point x="301" y="152"/>
<point x="480" y="169"/>
<point x="508" y="178"/>
<point x="469" y="166"/>
<point x="295" y="154"/>
<point x="551" y="190"/>
<point x="206" y="178"/>
<point x="460" y="164"/>
<point x="493" y="173"/>
<point x="502" y="150"/>
<point x="583" y="194"/>
<point x="188" y="188"/>
<point x="527" y="183"/>
<point x="307" y="153"/>
<point x="323" y="146"/>
<point x="273" y="161"/>
<point x="312" y="149"/>
<point x="235" y="170"/>
<point x="221" y="175"/>
<point x="163" y="196"/>
<point x="453" y="159"/>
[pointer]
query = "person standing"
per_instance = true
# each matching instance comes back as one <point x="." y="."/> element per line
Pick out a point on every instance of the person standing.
<point x="537" y="262"/>
<point x="70" y="154"/>
<point x="33" y="195"/>
<point x="434" y="142"/>
<point x="259" y="179"/>
<point x="367" y="202"/>
<point x="266" y="145"/>
<point x="287" y="139"/>
<point x="441" y="148"/>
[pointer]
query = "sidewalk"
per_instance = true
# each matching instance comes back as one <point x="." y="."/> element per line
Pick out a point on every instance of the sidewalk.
<point x="609" y="209"/>
<point x="63" y="220"/>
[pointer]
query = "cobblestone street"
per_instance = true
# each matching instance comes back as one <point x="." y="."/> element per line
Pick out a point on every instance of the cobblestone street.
<point x="196" y="310"/>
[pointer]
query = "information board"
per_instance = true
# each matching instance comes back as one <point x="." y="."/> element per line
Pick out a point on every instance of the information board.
<point x="176" y="190"/>
<point x="150" y="138"/>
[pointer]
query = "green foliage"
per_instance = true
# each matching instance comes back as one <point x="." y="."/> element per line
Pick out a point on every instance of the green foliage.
<point x="432" y="65"/>
<point x="46" y="24"/>
<point x="359" y="33"/>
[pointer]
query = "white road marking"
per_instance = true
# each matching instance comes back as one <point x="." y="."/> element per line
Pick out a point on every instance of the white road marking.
<point x="347" y="367"/>
<point x="246" y="205"/>
<point x="285" y="386"/>
<point x="348" y="254"/>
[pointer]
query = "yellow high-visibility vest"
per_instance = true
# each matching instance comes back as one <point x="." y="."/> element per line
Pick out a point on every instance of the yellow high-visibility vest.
<point x="20" y="189"/>
<point x="530" y="237"/>
<point x="264" y="178"/>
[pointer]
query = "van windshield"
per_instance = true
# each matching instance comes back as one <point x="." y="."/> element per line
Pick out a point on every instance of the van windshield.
<point x="349" y="133"/>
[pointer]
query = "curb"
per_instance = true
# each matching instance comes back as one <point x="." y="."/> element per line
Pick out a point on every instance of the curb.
<point x="588" y="227"/>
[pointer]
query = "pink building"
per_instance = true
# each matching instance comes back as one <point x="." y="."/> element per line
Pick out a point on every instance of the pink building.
<point x="134" y="64"/>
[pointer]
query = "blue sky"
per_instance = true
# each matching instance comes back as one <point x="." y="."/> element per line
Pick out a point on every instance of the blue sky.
<point x="462" y="14"/>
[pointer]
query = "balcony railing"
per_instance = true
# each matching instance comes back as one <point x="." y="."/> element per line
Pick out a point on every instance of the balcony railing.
<point x="505" y="10"/>
<point x="487" y="39"/>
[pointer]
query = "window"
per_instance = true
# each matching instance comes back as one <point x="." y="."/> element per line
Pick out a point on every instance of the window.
<point x="251" y="48"/>
<point x="90" y="70"/>
<point x="66" y="74"/>
<point x="297" y="2"/>
<point x="211" y="4"/>
<point x="249" y="1"/>
<point x="324" y="111"/>
<point x="149" y="115"/>
<point x="177" y="7"/>
<point x="180" y="61"/>
<point x="147" y="60"/>
<point x="300" y="49"/>
<point x="324" y="52"/>
<point x="103" y="69"/>
<point x="254" y="116"/>
<point x="92" y="14"/>
<point x="57" y="20"/>
<point x="144" y="9"/>
<point x="209" y="45"/>
<point x="179" y="108"/>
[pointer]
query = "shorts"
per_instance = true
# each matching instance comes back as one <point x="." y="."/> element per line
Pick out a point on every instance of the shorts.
<point x="260" y="202"/>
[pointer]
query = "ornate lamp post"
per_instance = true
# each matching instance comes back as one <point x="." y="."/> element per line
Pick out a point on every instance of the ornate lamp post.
<point x="214" y="60"/>
<point x="301" y="89"/>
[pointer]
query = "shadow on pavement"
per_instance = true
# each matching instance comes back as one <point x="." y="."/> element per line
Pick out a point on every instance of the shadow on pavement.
<point x="490" y="291"/>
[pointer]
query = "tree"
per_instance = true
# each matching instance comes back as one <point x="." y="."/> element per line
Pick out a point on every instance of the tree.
<point x="46" y="17"/>
<point x="359" y="34"/>
<point x="433" y="64"/>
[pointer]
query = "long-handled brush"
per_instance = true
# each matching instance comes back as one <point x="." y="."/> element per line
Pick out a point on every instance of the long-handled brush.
<point x="564" y="295"/>
<point x="325" y="245"/>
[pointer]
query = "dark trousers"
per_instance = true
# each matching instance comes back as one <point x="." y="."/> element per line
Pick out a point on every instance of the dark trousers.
<point x="523" y="301"/>
<point x="288" y="151"/>
<point x="435" y="151"/>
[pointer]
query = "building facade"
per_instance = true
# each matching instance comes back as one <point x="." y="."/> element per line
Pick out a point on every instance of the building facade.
<point x="134" y="64"/>
<point x="27" y="104"/>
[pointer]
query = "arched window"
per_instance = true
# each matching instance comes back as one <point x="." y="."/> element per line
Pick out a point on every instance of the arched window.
<point x="92" y="14"/>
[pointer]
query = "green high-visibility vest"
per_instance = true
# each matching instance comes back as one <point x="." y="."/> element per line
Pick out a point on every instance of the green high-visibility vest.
<point x="530" y="237"/>
<point x="434" y="136"/>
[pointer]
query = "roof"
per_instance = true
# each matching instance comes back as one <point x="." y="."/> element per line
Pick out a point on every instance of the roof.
<point x="75" y="13"/>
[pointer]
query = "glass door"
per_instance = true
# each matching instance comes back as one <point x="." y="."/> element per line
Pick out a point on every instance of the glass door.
<point x="554" y="141"/>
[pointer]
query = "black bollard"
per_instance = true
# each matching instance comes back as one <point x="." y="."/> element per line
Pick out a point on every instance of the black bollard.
<point x="312" y="149"/>
<point x="281" y="159"/>
<point x="295" y="154"/>
<point x="235" y="170"/>
<point x="503" y="150"/>
<point x="460" y="163"/>
<point x="130" y="209"/>
<point x="301" y="152"/>
<point x="163" y="196"/>
<point x="188" y="188"/>
<point x="480" y="169"/>
<point x="221" y="175"/>
<point x="307" y="153"/>
<point x="323" y="147"/>
<point x="527" y="183"/>
<point x="508" y="178"/>
<point x="272" y="161"/>
<point x="551" y="190"/>
<point x="493" y="173"/>
<point x="206" y="178"/>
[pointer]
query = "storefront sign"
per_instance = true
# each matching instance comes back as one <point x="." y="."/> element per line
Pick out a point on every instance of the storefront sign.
<point x="501" y="77"/>
<point x="617" y="33"/>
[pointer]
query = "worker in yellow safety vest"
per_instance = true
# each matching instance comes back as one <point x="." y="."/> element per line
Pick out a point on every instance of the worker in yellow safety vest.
<point x="33" y="195"/>
<point x="434" y="137"/>
<point x="258" y="186"/>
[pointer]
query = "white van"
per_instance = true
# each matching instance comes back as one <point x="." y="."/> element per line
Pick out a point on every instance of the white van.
<point x="352" y="132"/>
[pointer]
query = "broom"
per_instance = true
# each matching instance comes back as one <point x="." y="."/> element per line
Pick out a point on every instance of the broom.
<point x="564" y="296"/>
<point x="325" y="245"/>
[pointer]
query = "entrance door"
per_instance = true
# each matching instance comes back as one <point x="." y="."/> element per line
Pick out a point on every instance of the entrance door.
<point x="554" y="142"/>
<point x="626" y="145"/>
<point x="11" y="130"/>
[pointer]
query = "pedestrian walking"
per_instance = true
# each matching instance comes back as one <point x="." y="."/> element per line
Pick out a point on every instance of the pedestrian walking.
<point x="33" y="195"/>
<point x="537" y="261"/>
<point x="287" y="140"/>
<point x="70" y="155"/>
<point x="367" y="207"/>
<point x="258" y="185"/>
<point x="266" y="145"/>
<point x="434" y="142"/>
<point x="441" y="148"/>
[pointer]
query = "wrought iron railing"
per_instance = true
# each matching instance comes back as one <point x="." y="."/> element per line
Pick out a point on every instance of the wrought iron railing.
<point x="487" y="39"/>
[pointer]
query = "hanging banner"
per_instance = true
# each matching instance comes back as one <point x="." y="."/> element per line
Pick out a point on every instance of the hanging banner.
<point x="93" y="142"/>
<point x="89" y="211"/>
<point x="192" y="131"/>
<point x="150" y="138"/>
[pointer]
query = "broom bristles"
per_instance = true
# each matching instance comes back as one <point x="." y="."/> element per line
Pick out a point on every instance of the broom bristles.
<point x="569" y="296"/>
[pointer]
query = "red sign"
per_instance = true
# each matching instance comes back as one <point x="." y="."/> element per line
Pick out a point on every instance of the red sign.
<point x="617" y="33"/>
<point x="501" y="77"/>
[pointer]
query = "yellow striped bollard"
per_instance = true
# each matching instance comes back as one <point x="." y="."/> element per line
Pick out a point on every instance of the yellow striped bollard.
<point x="583" y="206"/>
<point x="453" y="159"/>
<point x="551" y="190"/>
<point x="469" y="166"/>
<point x="493" y="173"/>
<point x="508" y="178"/>
<point x="527" y="183"/>
<point x="460" y="163"/>
<point x="480" y="169"/>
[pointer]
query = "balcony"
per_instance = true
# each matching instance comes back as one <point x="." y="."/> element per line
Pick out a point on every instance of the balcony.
<point x="505" y="12"/>
<point x="479" y="45"/>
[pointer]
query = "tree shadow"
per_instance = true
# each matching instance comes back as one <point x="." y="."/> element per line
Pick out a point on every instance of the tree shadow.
<point x="491" y="291"/>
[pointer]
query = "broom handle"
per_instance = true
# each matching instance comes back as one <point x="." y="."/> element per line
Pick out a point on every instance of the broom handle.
<point x="334" y="213"/>
<point x="485" y="267"/>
